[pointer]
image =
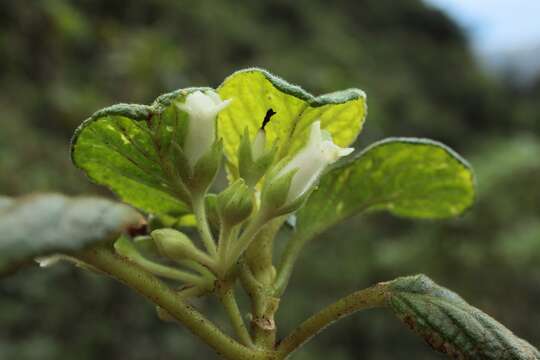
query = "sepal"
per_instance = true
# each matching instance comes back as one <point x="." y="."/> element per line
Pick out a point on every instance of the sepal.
<point x="235" y="203"/>
<point x="275" y="192"/>
<point x="175" y="245"/>
<point x="206" y="169"/>
<point x="253" y="159"/>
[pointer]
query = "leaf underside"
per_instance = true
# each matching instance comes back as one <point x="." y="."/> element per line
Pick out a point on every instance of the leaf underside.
<point x="44" y="224"/>
<point x="452" y="326"/>
<point x="408" y="177"/>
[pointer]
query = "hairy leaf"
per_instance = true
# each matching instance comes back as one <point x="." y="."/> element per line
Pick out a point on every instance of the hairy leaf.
<point x="255" y="91"/>
<point x="451" y="325"/>
<point x="408" y="177"/>
<point x="45" y="224"/>
<point x="128" y="148"/>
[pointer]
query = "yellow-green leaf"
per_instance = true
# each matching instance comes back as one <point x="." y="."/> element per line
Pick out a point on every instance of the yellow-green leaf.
<point x="255" y="91"/>
<point x="406" y="176"/>
<point x="127" y="147"/>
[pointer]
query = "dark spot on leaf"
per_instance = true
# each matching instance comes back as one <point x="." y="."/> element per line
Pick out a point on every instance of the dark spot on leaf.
<point x="267" y="117"/>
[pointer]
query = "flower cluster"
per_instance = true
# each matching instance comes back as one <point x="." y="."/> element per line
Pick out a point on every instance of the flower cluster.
<point x="265" y="187"/>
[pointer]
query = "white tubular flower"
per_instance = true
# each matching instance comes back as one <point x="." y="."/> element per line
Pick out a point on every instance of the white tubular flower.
<point x="202" y="108"/>
<point x="319" y="152"/>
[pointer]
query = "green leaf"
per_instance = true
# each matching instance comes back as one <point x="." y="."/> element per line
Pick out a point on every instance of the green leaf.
<point x="255" y="91"/>
<point x="128" y="148"/>
<point x="408" y="177"/>
<point x="45" y="224"/>
<point x="451" y="325"/>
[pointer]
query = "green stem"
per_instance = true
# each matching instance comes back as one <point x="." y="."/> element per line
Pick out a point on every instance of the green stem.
<point x="259" y="254"/>
<point x="372" y="297"/>
<point x="160" y="294"/>
<point x="228" y="300"/>
<point x="167" y="272"/>
<point x="242" y="243"/>
<point x="225" y="239"/>
<point x="252" y="286"/>
<point x="199" y="208"/>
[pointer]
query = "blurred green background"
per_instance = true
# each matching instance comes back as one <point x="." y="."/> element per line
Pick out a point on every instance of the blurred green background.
<point x="61" y="60"/>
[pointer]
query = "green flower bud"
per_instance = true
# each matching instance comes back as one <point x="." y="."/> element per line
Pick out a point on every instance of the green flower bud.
<point x="253" y="159"/>
<point x="175" y="245"/>
<point x="235" y="203"/>
<point x="206" y="169"/>
<point x="275" y="191"/>
<point x="172" y="243"/>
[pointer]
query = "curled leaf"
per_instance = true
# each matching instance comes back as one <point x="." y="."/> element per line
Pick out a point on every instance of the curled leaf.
<point x="452" y="326"/>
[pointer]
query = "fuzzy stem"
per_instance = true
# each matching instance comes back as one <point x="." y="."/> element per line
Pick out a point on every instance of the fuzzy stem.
<point x="228" y="300"/>
<point x="372" y="297"/>
<point x="242" y="243"/>
<point x="167" y="272"/>
<point x="199" y="209"/>
<point x="160" y="294"/>
<point x="226" y="236"/>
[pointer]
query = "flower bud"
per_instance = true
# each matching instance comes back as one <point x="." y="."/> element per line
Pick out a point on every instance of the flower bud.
<point x="253" y="159"/>
<point x="202" y="108"/>
<point x="235" y="203"/>
<point x="173" y="244"/>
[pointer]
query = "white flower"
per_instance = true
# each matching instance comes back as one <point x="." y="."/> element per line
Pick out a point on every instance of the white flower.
<point x="319" y="152"/>
<point x="202" y="108"/>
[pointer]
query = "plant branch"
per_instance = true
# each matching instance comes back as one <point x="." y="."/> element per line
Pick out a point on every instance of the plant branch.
<point x="160" y="294"/>
<point x="243" y="241"/>
<point x="372" y="297"/>
<point x="168" y="272"/>
<point x="226" y="237"/>
<point x="228" y="300"/>
<point x="199" y="209"/>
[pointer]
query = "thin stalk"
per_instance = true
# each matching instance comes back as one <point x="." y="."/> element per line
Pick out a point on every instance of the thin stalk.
<point x="259" y="254"/>
<point x="160" y="294"/>
<point x="167" y="272"/>
<point x="195" y="266"/>
<point x="252" y="287"/>
<point x="225" y="239"/>
<point x="228" y="300"/>
<point x="242" y="243"/>
<point x="372" y="297"/>
<point x="199" y="209"/>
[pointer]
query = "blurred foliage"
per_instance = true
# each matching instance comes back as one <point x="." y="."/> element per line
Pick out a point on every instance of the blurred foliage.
<point x="60" y="60"/>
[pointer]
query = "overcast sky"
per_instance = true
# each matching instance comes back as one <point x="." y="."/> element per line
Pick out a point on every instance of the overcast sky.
<point x="495" y="25"/>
